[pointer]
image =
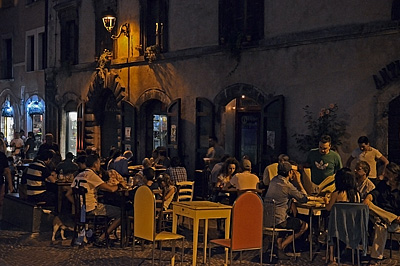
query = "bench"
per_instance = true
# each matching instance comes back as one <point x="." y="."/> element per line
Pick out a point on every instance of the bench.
<point x="26" y="215"/>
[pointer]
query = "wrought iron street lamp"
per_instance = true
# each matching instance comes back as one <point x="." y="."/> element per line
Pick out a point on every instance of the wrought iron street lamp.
<point x="109" y="18"/>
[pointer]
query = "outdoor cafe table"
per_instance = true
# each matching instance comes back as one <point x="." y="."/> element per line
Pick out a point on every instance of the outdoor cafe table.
<point x="311" y="208"/>
<point x="200" y="210"/>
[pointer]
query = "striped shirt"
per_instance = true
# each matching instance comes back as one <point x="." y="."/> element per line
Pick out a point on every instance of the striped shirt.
<point x="35" y="176"/>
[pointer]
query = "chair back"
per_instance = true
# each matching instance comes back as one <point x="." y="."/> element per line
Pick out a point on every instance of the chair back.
<point x="79" y="194"/>
<point x="269" y="213"/>
<point x="247" y="222"/>
<point x="349" y="223"/>
<point x="185" y="190"/>
<point x="144" y="213"/>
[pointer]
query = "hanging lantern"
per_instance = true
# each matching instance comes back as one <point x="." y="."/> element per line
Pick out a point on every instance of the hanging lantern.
<point x="35" y="108"/>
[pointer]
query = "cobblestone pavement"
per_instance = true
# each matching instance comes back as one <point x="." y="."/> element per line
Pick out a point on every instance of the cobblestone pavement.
<point x="22" y="248"/>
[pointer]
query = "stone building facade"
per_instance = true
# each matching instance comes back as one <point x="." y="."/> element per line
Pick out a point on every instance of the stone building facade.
<point x="241" y="70"/>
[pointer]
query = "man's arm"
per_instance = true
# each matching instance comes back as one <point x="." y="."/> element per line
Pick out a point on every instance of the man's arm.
<point x="109" y="188"/>
<point x="7" y="175"/>
<point x="385" y="163"/>
<point x="349" y="160"/>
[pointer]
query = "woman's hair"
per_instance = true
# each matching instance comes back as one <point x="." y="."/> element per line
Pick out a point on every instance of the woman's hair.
<point x="345" y="181"/>
<point x="227" y="162"/>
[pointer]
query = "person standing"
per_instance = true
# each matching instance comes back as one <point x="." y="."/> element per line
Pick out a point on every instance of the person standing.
<point x="5" y="172"/>
<point x="324" y="163"/>
<point x="366" y="153"/>
<point x="49" y="144"/>
<point x="30" y="146"/>
<point x="214" y="153"/>
<point x="16" y="144"/>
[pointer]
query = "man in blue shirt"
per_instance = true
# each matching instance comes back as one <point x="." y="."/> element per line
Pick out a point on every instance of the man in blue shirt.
<point x="281" y="190"/>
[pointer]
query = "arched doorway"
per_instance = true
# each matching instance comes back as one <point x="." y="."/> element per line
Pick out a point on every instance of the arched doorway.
<point x="250" y="123"/>
<point x="102" y="115"/>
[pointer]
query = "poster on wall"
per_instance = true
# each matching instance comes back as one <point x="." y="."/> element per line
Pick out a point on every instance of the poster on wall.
<point x="127" y="133"/>
<point x="173" y="133"/>
<point x="271" y="139"/>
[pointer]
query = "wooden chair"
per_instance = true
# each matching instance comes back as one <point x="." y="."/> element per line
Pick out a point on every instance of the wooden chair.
<point x="247" y="226"/>
<point x="270" y="225"/>
<point x="144" y="225"/>
<point x="84" y="222"/>
<point x="185" y="190"/>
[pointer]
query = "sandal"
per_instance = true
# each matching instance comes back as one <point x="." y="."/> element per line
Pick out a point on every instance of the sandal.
<point x="332" y="263"/>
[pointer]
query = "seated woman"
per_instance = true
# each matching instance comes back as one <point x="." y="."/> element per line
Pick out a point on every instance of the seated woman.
<point x="229" y="169"/>
<point x="346" y="191"/>
<point x="168" y="189"/>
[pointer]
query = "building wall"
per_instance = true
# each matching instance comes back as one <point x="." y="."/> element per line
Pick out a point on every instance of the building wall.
<point x="16" y="22"/>
<point x="314" y="53"/>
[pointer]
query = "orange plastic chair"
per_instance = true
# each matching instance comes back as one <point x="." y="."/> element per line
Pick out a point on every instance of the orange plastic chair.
<point x="144" y="222"/>
<point x="247" y="226"/>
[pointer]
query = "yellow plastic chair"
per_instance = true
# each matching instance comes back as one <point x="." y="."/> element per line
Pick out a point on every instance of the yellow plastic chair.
<point x="247" y="226"/>
<point x="185" y="190"/>
<point x="144" y="222"/>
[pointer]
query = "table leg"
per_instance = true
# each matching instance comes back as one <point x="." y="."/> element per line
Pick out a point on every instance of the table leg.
<point x="59" y="198"/>
<point x="311" y="233"/>
<point x="205" y="240"/>
<point x="195" y="239"/>
<point x="174" y="229"/>
<point x="227" y="232"/>
<point x="123" y="223"/>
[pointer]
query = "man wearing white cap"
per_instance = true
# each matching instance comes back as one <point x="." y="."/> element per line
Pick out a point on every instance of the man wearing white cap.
<point x="245" y="180"/>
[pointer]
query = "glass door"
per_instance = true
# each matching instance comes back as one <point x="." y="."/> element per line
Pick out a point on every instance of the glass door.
<point x="159" y="130"/>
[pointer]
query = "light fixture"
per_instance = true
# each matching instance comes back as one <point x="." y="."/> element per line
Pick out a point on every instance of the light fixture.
<point x="109" y="18"/>
<point x="7" y="110"/>
<point x="35" y="108"/>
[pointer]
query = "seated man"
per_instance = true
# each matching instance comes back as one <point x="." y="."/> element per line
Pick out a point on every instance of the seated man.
<point x="272" y="170"/>
<point x="384" y="204"/>
<point x="364" y="184"/>
<point x="90" y="180"/>
<point x="176" y="171"/>
<point x="282" y="190"/>
<point x="245" y="180"/>
<point x="67" y="166"/>
<point x="36" y="176"/>
<point x="121" y="163"/>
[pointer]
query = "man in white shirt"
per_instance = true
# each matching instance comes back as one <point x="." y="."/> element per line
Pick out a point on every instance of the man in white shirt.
<point x="366" y="153"/>
<point x="245" y="180"/>
<point x="90" y="180"/>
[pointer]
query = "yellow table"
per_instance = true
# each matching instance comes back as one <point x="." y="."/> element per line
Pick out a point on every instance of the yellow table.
<point x="198" y="210"/>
